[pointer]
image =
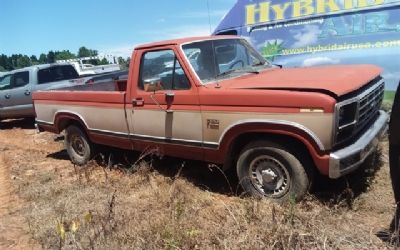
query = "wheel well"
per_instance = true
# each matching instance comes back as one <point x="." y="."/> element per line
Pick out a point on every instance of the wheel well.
<point x="295" y="146"/>
<point x="66" y="122"/>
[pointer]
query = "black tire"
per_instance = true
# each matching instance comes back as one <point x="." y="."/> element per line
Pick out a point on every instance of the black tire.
<point x="267" y="169"/>
<point x="79" y="148"/>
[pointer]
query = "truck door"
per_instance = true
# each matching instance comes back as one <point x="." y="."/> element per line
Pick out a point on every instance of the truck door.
<point x="17" y="99"/>
<point x="5" y="84"/>
<point x="166" y="112"/>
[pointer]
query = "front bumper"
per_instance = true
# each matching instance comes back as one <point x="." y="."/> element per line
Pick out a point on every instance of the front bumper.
<point x="38" y="128"/>
<point x="348" y="159"/>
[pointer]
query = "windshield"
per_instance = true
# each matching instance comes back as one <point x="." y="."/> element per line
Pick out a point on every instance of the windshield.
<point x="223" y="58"/>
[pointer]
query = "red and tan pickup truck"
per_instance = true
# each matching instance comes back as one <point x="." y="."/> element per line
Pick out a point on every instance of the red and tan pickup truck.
<point x="217" y="100"/>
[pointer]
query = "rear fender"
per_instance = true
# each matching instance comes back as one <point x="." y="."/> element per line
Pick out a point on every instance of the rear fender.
<point x="63" y="119"/>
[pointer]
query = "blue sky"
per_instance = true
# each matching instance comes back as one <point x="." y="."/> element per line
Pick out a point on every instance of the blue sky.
<point x="32" y="27"/>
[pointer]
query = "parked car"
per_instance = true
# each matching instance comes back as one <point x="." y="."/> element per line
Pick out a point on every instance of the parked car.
<point x="232" y="107"/>
<point x="104" y="82"/>
<point x="116" y="75"/>
<point x="101" y="82"/>
<point x="87" y="69"/>
<point x="17" y="86"/>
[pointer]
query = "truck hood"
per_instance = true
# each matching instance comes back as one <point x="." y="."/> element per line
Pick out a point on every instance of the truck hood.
<point x="334" y="80"/>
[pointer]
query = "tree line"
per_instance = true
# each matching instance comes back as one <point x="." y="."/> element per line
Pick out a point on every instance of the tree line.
<point x="17" y="61"/>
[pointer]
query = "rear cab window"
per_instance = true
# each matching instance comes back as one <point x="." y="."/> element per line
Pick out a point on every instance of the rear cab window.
<point x="21" y="79"/>
<point x="57" y="73"/>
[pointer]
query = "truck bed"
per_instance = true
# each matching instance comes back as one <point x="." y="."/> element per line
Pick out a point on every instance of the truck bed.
<point x="98" y="111"/>
<point x="79" y="96"/>
<point x="104" y="86"/>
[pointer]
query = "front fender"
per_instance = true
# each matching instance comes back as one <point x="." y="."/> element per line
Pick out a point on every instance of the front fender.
<point x="310" y="140"/>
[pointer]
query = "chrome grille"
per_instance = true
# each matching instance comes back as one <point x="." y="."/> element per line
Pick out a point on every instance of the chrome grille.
<point x="368" y="105"/>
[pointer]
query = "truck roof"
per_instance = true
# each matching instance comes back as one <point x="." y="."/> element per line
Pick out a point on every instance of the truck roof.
<point x="39" y="66"/>
<point x="181" y="41"/>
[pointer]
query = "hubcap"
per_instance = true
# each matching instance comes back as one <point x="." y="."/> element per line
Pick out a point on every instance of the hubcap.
<point x="269" y="176"/>
<point x="78" y="145"/>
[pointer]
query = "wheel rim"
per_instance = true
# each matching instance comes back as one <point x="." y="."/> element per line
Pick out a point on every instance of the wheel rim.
<point x="269" y="176"/>
<point x="78" y="145"/>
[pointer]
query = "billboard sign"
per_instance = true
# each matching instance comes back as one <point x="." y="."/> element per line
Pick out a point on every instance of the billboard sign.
<point x="303" y="33"/>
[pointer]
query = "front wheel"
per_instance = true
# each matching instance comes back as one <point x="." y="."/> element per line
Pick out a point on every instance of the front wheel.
<point x="79" y="148"/>
<point x="269" y="170"/>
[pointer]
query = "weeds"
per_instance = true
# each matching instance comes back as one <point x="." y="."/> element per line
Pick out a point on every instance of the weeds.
<point x="105" y="205"/>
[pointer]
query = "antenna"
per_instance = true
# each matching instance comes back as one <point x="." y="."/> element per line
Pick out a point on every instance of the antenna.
<point x="209" y="16"/>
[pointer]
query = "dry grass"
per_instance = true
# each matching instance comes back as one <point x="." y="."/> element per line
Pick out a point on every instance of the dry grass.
<point x="98" y="208"/>
<point x="170" y="204"/>
<point x="387" y="105"/>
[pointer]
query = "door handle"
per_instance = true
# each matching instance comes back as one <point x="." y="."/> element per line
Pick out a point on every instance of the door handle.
<point x="7" y="96"/>
<point x="27" y="92"/>
<point x="138" y="102"/>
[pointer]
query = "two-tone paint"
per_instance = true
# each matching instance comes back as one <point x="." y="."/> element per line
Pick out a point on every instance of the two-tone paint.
<point x="211" y="122"/>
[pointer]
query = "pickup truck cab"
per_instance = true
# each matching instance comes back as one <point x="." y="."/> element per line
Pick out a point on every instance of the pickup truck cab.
<point x="218" y="100"/>
<point x="16" y="87"/>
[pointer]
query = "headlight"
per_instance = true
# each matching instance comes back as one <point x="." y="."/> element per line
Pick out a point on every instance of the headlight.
<point x="346" y="120"/>
<point x="347" y="114"/>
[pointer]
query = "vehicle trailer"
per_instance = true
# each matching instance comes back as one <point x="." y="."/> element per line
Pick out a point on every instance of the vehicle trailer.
<point x="216" y="99"/>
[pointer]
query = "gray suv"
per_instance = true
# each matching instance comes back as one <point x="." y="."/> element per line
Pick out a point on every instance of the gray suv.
<point x="16" y="87"/>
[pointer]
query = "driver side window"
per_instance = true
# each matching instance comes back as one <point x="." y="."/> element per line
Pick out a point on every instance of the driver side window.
<point x="5" y="82"/>
<point x="161" y="70"/>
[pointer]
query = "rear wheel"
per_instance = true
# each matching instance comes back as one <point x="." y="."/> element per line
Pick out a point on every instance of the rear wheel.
<point x="79" y="148"/>
<point x="267" y="169"/>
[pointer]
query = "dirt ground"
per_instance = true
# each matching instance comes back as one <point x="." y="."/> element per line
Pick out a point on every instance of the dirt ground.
<point x="13" y="227"/>
<point x="46" y="202"/>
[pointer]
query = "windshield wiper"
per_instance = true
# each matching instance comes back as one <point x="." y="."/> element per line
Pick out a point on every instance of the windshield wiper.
<point x="252" y="71"/>
<point x="227" y="72"/>
<point x="242" y="70"/>
<point x="258" y="64"/>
